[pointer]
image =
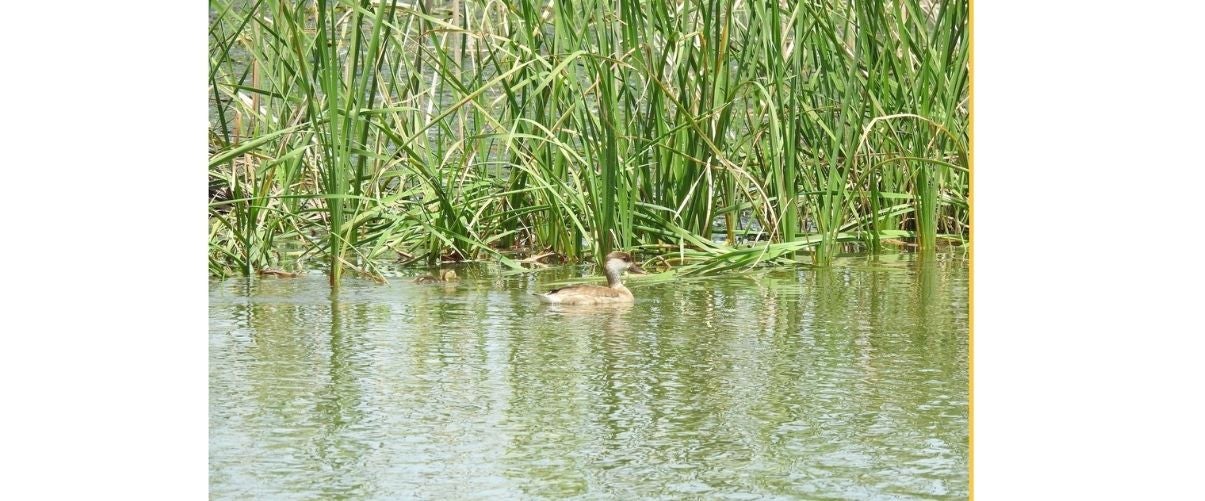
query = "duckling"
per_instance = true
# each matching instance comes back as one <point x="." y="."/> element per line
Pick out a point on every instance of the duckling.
<point x="444" y="276"/>
<point x="617" y="262"/>
<point x="273" y="272"/>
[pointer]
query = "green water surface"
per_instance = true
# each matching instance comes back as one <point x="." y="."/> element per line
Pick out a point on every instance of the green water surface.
<point x="842" y="383"/>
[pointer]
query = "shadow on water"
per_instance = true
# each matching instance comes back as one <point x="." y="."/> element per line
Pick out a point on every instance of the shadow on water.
<point x="836" y="383"/>
<point x="339" y="446"/>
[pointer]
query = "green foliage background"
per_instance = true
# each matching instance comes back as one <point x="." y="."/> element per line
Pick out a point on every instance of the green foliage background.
<point x="716" y="134"/>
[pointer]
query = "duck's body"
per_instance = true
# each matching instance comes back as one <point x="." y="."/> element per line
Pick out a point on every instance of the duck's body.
<point x="587" y="294"/>
<point x="444" y="276"/>
<point x="616" y="263"/>
<point x="273" y="272"/>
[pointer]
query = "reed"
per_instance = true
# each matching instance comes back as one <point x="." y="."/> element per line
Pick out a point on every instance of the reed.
<point x="714" y="134"/>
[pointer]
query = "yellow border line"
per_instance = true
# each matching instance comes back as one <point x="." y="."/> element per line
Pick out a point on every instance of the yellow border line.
<point x="971" y="265"/>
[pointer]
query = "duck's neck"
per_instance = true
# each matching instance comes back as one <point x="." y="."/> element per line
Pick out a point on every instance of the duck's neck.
<point x="613" y="279"/>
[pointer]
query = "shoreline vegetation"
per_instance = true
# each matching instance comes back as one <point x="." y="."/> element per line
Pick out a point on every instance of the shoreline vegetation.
<point x="708" y="135"/>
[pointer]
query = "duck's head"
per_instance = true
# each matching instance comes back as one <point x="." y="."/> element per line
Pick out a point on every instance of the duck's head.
<point x="618" y="262"/>
<point x="448" y="275"/>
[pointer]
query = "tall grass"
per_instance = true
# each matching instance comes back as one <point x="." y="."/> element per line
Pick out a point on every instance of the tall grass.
<point x="715" y="133"/>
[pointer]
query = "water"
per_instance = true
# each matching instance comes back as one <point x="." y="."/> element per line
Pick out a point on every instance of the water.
<point x="844" y="383"/>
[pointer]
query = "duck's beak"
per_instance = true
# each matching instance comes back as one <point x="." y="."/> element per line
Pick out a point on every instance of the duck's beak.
<point x="635" y="268"/>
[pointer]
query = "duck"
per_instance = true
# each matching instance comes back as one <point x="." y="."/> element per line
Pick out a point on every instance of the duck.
<point x="273" y="272"/>
<point x="444" y="276"/>
<point x="616" y="263"/>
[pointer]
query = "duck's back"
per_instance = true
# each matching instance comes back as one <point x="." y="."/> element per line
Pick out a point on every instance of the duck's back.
<point x="586" y="294"/>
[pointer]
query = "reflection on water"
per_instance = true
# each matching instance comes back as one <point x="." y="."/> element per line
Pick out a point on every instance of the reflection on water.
<point x="841" y="383"/>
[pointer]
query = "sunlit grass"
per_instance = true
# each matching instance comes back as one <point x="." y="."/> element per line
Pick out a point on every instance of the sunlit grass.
<point x="363" y="132"/>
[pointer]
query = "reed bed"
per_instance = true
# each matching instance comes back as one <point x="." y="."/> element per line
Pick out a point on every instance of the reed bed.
<point x="707" y="135"/>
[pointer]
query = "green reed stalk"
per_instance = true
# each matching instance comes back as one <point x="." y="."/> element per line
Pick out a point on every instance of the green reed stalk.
<point x="460" y="128"/>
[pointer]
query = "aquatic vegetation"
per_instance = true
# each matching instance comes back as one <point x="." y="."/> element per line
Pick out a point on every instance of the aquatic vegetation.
<point x="709" y="134"/>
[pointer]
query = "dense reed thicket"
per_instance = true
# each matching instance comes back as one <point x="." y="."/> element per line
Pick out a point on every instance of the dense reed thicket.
<point x="714" y="133"/>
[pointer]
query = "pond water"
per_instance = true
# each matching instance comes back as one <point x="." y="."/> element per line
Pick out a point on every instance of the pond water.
<point x="842" y="383"/>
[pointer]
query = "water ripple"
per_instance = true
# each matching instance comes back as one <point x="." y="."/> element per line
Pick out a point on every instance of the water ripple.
<point x="821" y="384"/>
